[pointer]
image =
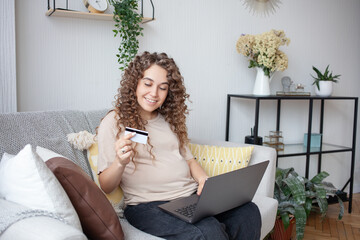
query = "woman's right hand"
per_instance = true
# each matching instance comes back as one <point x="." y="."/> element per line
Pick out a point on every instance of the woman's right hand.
<point x="124" y="149"/>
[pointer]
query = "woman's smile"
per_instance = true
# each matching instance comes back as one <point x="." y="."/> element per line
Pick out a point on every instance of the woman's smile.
<point x="150" y="101"/>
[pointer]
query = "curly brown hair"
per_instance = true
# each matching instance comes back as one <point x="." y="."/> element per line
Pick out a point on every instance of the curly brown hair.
<point x="174" y="109"/>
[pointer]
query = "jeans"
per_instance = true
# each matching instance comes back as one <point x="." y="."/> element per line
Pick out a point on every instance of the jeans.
<point x="243" y="222"/>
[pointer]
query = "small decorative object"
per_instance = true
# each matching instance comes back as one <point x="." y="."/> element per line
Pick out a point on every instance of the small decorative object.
<point x="315" y="140"/>
<point x="264" y="54"/>
<point x="288" y="88"/>
<point x="250" y="139"/>
<point x="324" y="81"/>
<point x="96" y="6"/>
<point x="262" y="7"/>
<point x="297" y="196"/>
<point x="286" y="83"/>
<point x="299" y="88"/>
<point x="127" y="24"/>
<point x="275" y="140"/>
<point x="81" y="140"/>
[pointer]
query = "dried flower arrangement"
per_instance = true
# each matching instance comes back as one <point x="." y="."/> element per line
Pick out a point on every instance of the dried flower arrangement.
<point x="263" y="50"/>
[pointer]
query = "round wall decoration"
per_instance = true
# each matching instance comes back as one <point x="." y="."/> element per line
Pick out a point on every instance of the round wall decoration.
<point x="261" y="7"/>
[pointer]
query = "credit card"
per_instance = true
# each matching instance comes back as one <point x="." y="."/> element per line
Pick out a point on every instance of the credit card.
<point x="140" y="137"/>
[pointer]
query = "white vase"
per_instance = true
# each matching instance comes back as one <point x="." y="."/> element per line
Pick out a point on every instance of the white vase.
<point x="262" y="83"/>
<point x="326" y="88"/>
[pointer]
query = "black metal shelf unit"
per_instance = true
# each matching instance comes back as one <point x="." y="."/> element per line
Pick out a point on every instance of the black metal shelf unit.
<point x="298" y="149"/>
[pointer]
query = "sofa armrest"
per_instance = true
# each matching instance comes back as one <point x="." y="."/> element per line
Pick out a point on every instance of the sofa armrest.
<point x="260" y="154"/>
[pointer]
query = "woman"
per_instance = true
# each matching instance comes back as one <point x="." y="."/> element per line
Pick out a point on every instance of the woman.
<point x="152" y="97"/>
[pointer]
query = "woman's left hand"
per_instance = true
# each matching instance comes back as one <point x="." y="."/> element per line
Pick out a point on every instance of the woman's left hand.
<point x="198" y="173"/>
<point x="201" y="185"/>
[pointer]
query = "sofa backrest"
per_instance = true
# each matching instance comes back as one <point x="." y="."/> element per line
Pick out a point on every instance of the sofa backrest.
<point x="48" y="129"/>
<point x="94" y="118"/>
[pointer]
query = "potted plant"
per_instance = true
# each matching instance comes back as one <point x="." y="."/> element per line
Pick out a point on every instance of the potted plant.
<point x="297" y="196"/>
<point x="127" y="26"/>
<point x="324" y="81"/>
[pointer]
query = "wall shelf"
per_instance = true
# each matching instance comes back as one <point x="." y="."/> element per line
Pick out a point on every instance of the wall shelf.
<point x="66" y="12"/>
<point x="85" y="15"/>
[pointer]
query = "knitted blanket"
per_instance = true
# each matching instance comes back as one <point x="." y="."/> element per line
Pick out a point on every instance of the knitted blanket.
<point x="45" y="129"/>
<point x="11" y="213"/>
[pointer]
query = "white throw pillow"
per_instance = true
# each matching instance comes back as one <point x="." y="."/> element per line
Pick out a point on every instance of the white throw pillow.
<point x="25" y="179"/>
<point x="6" y="157"/>
<point x="46" y="154"/>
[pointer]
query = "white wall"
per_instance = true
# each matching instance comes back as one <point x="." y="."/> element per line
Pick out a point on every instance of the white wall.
<point x="65" y="63"/>
<point x="7" y="57"/>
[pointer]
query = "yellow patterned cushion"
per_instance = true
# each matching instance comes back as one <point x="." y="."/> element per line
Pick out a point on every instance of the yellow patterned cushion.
<point x="116" y="197"/>
<point x="217" y="160"/>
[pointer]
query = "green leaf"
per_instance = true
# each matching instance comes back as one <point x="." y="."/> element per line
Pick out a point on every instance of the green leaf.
<point x="267" y="71"/>
<point x="308" y="206"/>
<point x="252" y="64"/>
<point x="323" y="206"/>
<point x="285" y="219"/>
<point x="300" y="217"/>
<point x="326" y="72"/>
<point x="341" y="203"/>
<point x="319" y="177"/>
<point x="320" y="191"/>
<point x="297" y="189"/>
<point x="320" y="76"/>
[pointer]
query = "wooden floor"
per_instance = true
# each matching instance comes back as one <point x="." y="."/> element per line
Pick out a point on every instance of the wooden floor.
<point x="332" y="228"/>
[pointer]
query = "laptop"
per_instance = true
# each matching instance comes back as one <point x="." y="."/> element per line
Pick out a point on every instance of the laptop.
<point x="220" y="193"/>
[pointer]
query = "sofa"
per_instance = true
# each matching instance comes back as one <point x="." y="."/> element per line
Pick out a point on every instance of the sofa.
<point x="49" y="130"/>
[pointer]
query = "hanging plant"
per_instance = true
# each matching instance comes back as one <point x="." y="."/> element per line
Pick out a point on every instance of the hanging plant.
<point x="127" y="26"/>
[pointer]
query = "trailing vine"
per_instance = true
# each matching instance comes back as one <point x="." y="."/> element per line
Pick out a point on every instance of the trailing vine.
<point x="127" y="26"/>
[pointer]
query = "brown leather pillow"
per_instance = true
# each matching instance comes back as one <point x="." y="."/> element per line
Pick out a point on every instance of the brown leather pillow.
<point x="97" y="216"/>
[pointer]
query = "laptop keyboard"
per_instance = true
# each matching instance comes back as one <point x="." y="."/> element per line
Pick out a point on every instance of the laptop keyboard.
<point x="187" y="211"/>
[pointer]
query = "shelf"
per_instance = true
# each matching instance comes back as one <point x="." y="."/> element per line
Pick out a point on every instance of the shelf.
<point x="300" y="150"/>
<point x="294" y="97"/>
<point x="292" y="150"/>
<point x="85" y="15"/>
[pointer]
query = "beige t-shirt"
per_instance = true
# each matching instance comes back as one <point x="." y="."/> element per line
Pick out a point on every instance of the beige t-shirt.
<point x="166" y="177"/>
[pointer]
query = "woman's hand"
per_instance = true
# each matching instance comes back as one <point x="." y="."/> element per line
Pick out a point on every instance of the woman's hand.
<point x="201" y="183"/>
<point x="198" y="173"/>
<point x="124" y="150"/>
<point x="110" y="178"/>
